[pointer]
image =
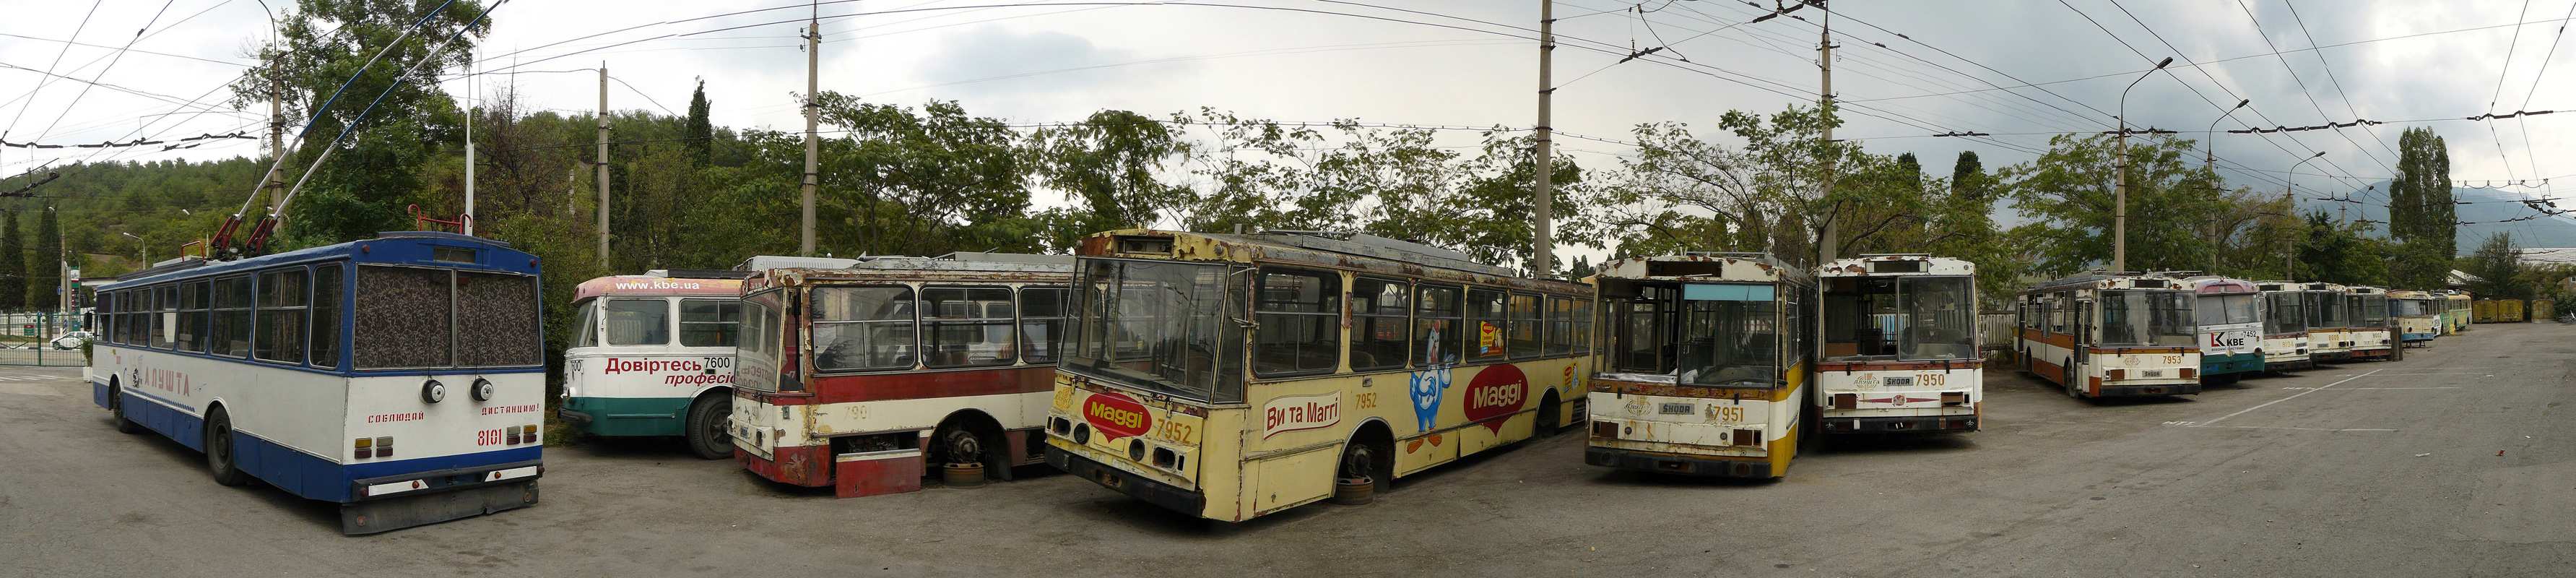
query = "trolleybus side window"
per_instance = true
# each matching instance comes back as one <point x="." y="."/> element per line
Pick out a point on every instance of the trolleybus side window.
<point x="857" y="328"/>
<point x="1641" y="331"/>
<point x="405" y="318"/>
<point x="1486" y="325"/>
<point x="1731" y="336"/>
<point x="2059" y="318"/>
<point x="193" y="302"/>
<point x="1560" y="326"/>
<point x="232" y="317"/>
<point x="1379" y="310"/>
<point x="645" y="321"/>
<point x="967" y="326"/>
<point x="1297" y="323"/>
<point x="1437" y="316"/>
<point x="1581" y="333"/>
<point x="165" y="320"/>
<point x="324" y="345"/>
<point x="2154" y="318"/>
<point x="1042" y="311"/>
<point x="709" y="322"/>
<point x="496" y="320"/>
<point x="1164" y="326"/>
<point x="1526" y="326"/>
<point x="585" y="324"/>
<point x="281" y="316"/>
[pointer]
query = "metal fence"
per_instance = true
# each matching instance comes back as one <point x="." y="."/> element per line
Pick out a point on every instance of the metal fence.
<point x="34" y="339"/>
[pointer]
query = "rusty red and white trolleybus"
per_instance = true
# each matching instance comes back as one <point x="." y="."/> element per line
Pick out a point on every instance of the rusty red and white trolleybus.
<point x="862" y="375"/>
<point x="1230" y="376"/>
<point x="1900" y="345"/>
<point x="2112" y="335"/>
<point x="1707" y="365"/>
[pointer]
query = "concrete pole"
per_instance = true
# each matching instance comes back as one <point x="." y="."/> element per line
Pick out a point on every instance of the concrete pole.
<point x="1828" y="245"/>
<point x="813" y="147"/>
<point x="602" y="163"/>
<point x="276" y="136"/>
<point x="1543" y="263"/>
<point x="469" y="148"/>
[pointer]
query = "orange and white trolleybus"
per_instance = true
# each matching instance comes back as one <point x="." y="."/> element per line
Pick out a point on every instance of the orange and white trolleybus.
<point x="1230" y="376"/>
<point x="1707" y="369"/>
<point x="2112" y="335"/>
<point x="859" y="374"/>
<point x="1900" y="345"/>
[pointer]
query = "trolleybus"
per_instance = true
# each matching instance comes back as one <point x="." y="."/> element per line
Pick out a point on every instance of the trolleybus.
<point x="2416" y="315"/>
<point x="860" y="377"/>
<point x="2285" y="326"/>
<point x="2329" y="321"/>
<point x="2111" y="335"/>
<point x="1708" y="366"/>
<point x="401" y="376"/>
<point x="1230" y="376"/>
<point x="1899" y="345"/>
<point x="2366" y="309"/>
<point x="2229" y="312"/>
<point x="2456" y="312"/>
<point x="652" y="355"/>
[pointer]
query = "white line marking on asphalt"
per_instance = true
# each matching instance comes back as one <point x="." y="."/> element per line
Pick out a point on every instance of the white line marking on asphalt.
<point x="2363" y="388"/>
<point x="2291" y="397"/>
<point x="2476" y="373"/>
<point x="2295" y="428"/>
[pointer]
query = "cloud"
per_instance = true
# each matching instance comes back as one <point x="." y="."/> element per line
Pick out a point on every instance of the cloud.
<point x="995" y="63"/>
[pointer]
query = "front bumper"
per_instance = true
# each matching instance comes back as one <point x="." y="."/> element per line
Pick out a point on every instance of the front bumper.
<point x="1150" y="490"/>
<point x="1666" y="463"/>
<point x="1898" y="424"/>
<point x="2147" y="390"/>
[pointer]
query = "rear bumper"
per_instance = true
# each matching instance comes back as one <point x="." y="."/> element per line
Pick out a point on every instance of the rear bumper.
<point x="1899" y="424"/>
<point x="2213" y="364"/>
<point x="2301" y="363"/>
<point x="401" y="501"/>
<point x="2147" y="390"/>
<point x="2371" y="353"/>
<point x="1152" y="491"/>
<point x="1710" y="466"/>
<point x="2414" y="337"/>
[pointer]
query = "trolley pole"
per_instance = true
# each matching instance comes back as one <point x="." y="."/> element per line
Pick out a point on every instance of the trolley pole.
<point x="1544" y="257"/>
<point x="1829" y="245"/>
<point x="603" y="165"/>
<point x="2120" y="172"/>
<point x="813" y="148"/>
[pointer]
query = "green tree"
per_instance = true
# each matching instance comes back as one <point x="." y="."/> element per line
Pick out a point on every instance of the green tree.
<point x="2420" y="211"/>
<point x="2498" y="270"/>
<point x="1681" y="193"/>
<point x="44" y="265"/>
<point x="1107" y="166"/>
<point x="2068" y="194"/>
<point x="701" y="135"/>
<point x="2343" y="254"/>
<point x="13" y="264"/>
<point x="379" y="170"/>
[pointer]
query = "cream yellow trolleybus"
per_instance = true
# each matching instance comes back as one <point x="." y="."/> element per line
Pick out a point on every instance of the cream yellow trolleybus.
<point x="1707" y="367"/>
<point x="2373" y="334"/>
<point x="1899" y="345"/>
<point x="861" y="375"/>
<point x="2329" y="321"/>
<point x="2416" y="315"/>
<point x="1230" y="376"/>
<point x="2456" y="311"/>
<point x="2285" y="326"/>
<point x="2111" y="335"/>
<point x="652" y="355"/>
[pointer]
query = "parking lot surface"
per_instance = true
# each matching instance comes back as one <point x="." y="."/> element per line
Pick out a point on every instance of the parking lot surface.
<point x="2459" y="460"/>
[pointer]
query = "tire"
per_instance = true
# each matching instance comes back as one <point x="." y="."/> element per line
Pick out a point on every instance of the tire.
<point x="219" y="450"/>
<point x="1370" y="458"/>
<point x="706" y="430"/>
<point x="116" y="412"/>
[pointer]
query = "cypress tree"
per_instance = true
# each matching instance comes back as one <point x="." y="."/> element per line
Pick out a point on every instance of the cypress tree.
<point x="43" y="267"/>
<point x="2420" y="213"/>
<point x="13" y="264"/>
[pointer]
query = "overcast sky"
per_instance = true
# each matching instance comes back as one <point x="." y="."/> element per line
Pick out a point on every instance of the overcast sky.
<point x="1447" y="62"/>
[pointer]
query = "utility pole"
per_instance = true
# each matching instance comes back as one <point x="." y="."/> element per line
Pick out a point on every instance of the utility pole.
<point x="1828" y="245"/>
<point x="1544" y="258"/>
<point x="603" y="165"/>
<point x="276" y="134"/>
<point x="469" y="148"/>
<point x="813" y="148"/>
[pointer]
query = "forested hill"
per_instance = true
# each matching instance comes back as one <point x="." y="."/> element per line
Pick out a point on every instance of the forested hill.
<point x="167" y="203"/>
<point x="2486" y="212"/>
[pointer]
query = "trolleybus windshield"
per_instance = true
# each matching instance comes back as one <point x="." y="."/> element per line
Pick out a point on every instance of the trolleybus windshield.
<point x="2325" y="310"/>
<point x="1168" y="327"/>
<point x="1904" y="318"/>
<point x="1730" y="336"/>
<point x="2410" y="308"/>
<point x="764" y="323"/>
<point x="2287" y="315"/>
<point x="2368" y="310"/>
<point x="2226" y="309"/>
<point x="2147" y="318"/>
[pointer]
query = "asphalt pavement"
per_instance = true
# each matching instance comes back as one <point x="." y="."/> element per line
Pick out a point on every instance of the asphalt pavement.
<point x="2457" y="461"/>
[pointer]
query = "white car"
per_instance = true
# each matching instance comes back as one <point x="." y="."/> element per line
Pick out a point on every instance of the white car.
<point x="72" y="340"/>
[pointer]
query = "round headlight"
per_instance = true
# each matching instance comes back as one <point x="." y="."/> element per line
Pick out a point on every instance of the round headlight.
<point x="433" y="391"/>
<point x="482" y="389"/>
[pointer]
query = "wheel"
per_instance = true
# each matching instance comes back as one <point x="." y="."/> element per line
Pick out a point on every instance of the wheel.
<point x="1368" y="459"/>
<point x="219" y="450"/>
<point x="967" y="441"/>
<point x="706" y="429"/>
<point x="1548" y="422"/>
<point x="116" y="412"/>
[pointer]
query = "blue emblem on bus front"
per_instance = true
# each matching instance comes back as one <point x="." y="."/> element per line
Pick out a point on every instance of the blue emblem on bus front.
<point x="1426" y="386"/>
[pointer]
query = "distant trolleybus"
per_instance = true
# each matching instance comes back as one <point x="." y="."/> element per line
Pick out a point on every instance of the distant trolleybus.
<point x="2285" y="326"/>
<point x="652" y="355"/>
<point x="2229" y="312"/>
<point x="2456" y="312"/>
<point x="2329" y="321"/>
<point x="2112" y="335"/>
<point x="401" y="376"/>
<point x="862" y="376"/>
<point x="1708" y="365"/>
<point x="1229" y="376"/>
<point x="2416" y="317"/>
<point x="1900" y="345"/>
<point x="2366" y="309"/>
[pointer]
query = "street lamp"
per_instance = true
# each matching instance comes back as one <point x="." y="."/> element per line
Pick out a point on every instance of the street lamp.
<point x="2209" y="156"/>
<point x="2292" y="205"/>
<point x="145" y="246"/>
<point x="2120" y="190"/>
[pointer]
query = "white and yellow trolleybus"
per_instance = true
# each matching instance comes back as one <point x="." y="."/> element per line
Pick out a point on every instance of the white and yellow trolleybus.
<point x="652" y="355"/>
<point x="1230" y="376"/>
<point x="2111" y="335"/>
<point x="1707" y="365"/>
<point x="2285" y="326"/>
<point x="1899" y="344"/>
<point x="2329" y="321"/>
<point x="2372" y="334"/>
<point x="2417" y="316"/>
